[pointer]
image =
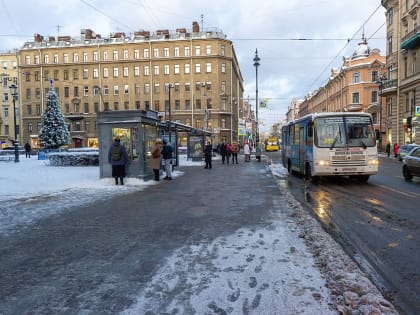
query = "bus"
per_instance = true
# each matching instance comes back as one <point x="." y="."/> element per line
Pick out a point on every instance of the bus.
<point x="331" y="144"/>
<point x="272" y="144"/>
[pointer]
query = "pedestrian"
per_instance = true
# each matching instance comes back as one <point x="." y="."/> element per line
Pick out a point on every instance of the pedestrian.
<point x="167" y="157"/>
<point x="234" y="150"/>
<point x="118" y="158"/>
<point x="228" y="152"/>
<point x="27" y="150"/>
<point x="208" y="154"/>
<point x="247" y="152"/>
<point x="223" y="151"/>
<point x="258" y="152"/>
<point x="396" y="148"/>
<point x="388" y="149"/>
<point x="156" y="154"/>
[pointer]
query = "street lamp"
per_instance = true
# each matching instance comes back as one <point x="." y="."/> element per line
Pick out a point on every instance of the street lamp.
<point x="256" y="64"/>
<point x="380" y="82"/>
<point x="170" y="86"/>
<point x="13" y="91"/>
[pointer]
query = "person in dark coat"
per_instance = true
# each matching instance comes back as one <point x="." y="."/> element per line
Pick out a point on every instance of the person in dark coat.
<point x="118" y="158"/>
<point x="207" y="154"/>
<point x="223" y="151"/>
<point x="167" y="157"/>
<point x="388" y="149"/>
<point x="27" y="150"/>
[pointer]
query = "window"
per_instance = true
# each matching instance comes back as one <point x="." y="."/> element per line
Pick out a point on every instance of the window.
<point x="75" y="57"/>
<point x="374" y="96"/>
<point x="157" y="88"/>
<point x="157" y="106"/>
<point x="27" y="76"/>
<point x="176" y="51"/>
<point x="187" y="51"/>
<point x="76" y="108"/>
<point x="188" y="104"/>
<point x="137" y="104"/>
<point x="86" y="108"/>
<point x="87" y="126"/>
<point x="55" y="58"/>
<point x="391" y="16"/>
<point x="223" y="87"/>
<point x="208" y="67"/>
<point x="222" y="50"/>
<point x="65" y="74"/>
<point x="146" y="53"/>
<point x="208" y="50"/>
<point x="136" y="71"/>
<point x="106" y="106"/>
<point x="125" y="88"/>
<point x="85" y="73"/>
<point x="95" y="73"/>
<point x="85" y="56"/>
<point x="115" y="55"/>
<point x="115" y="72"/>
<point x="126" y="105"/>
<point x="176" y="87"/>
<point x="75" y="74"/>
<point x="197" y="68"/>
<point x="106" y="73"/>
<point x="156" y="52"/>
<point x="125" y="54"/>
<point x="106" y="90"/>
<point x="30" y="128"/>
<point x="146" y="88"/>
<point x="355" y="98"/>
<point x="28" y="94"/>
<point x="223" y="68"/>
<point x="137" y="89"/>
<point x="56" y="75"/>
<point x="65" y="58"/>
<point x="209" y="103"/>
<point x="46" y="59"/>
<point x="197" y="50"/>
<point x="105" y="56"/>
<point x="389" y="45"/>
<point x="38" y="110"/>
<point x="223" y="104"/>
<point x="36" y="59"/>
<point x="85" y="91"/>
<point x="115" y="89"/>
<point x="116" y="105"/>
<point x="146" y="70"/>
<point x="96" y="107"/>
<point x="187" y="68"/>
<point x="36" y="75"/>
<point x="177" y="105"/>
<point x="95" y="56"/>
<point x="176" y="69"/>
<point x="156" y="70"/>
<point x="136" y="54"/>
<point x="66" y="91"/>
<point x="147" y="105"/>
<point x="375" y="76"/>
<point x="76" y="91"/>
<point x="198" y="104"/>
<point x="187" y="87"/>
<point x="199" y="124"/>
<point x="28" y="60"/>
<point x="166" y="69"/>
<point x="356" y="77"/>
<point x="125" y="71"/>
<point x="166" y="52"/>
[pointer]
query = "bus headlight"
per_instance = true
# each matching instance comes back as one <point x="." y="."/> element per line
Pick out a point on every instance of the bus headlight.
<point x="373" y="162"/>
<point x="322" y="163"/>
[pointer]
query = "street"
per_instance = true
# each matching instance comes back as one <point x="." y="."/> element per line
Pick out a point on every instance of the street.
<point x="377" y="223"/>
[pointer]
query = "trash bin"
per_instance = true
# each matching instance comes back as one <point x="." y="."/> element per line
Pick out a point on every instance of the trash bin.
<point x="42" y="155"/>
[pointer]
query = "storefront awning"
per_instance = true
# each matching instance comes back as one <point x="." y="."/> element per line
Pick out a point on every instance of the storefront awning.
<point x="412" y="42"/>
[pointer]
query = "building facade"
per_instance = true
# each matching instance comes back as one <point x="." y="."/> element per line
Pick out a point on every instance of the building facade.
<point x="188" y="76"/>
<point x="353" y="88"/>
<point x="401" y="85"/>
<point x="8" y="76"/>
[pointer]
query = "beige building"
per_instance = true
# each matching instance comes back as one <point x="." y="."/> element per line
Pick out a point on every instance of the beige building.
<point x="353" y="88"/>
<point x="401" y="85"/>
<point x="192" y="76"/>
<point x="8" y="76"/>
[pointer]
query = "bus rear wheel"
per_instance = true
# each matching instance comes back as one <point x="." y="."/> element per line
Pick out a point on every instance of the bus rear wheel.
<point x="308" y="174"/>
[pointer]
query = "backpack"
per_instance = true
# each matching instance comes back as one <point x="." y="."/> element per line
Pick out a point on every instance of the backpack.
<point x="116" y="153"/>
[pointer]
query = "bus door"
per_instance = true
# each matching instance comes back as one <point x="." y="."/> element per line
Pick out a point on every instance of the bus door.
<point x="302" y="150"/>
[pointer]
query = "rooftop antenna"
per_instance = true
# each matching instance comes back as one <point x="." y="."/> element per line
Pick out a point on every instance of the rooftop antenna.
<point x="202" y="22"/>
<point x="58" y="29"/>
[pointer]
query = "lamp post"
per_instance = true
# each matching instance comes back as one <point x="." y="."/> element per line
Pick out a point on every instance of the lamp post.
<point x="380" y="82"/>
<point x="256" y="64"/>
<point x="14" y="93"/>
<point x="170" y="86"/>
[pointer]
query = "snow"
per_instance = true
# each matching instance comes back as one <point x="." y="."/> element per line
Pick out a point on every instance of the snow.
<point x="243" y="273"/>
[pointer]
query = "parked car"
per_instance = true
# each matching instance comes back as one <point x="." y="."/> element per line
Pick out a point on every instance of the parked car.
<point x="411" y="164"/>
<point x="404" y="149"/>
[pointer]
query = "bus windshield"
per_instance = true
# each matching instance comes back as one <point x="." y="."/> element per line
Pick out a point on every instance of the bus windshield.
<point x="344" y="131"/>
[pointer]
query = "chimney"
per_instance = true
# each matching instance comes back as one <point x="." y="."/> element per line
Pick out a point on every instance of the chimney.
<point x="195" y="27"/>
<point x="38" y="38"/>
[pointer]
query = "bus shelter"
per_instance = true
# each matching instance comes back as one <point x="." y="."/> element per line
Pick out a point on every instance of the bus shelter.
<point x="138" y="130"/>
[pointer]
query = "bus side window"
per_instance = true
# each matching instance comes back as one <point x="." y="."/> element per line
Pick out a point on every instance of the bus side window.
<point x="310" y="131"/>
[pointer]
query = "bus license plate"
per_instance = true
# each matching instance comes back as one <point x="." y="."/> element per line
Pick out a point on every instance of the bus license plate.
<point x="349" y="169"/>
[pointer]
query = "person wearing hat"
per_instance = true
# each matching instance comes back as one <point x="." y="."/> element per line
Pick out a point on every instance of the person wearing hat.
<point x="156" y="154"/>
<point x="118" y="158"/>
<point x="167" y="157"/>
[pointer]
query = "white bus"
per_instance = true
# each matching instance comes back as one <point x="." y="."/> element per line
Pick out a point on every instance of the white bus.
<point x="331" y="144"/>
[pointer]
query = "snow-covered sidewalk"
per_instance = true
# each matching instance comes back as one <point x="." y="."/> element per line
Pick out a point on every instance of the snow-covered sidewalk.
<point x="307" y="267"/>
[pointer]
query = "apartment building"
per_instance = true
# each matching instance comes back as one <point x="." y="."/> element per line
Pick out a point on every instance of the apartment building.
<point x="354" y="88"/>
<point x="192" y="76"/>
<point x="401" y="85"/>
<point x="8" y="76"/>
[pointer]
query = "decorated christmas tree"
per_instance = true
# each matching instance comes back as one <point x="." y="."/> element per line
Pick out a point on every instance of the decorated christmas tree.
<point x="54" y="132"/>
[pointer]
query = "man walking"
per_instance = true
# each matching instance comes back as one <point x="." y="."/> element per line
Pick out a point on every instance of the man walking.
<point x="167" y="157"/>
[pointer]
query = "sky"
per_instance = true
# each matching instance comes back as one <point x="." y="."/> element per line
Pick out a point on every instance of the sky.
<point x="298" y="41"/>
<point x="290" y="265"/>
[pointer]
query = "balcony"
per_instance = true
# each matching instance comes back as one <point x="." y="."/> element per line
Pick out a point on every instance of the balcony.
<point x="354" y="107"/>
<point x="388" y="87"/>
<point x="412" y="39"/>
